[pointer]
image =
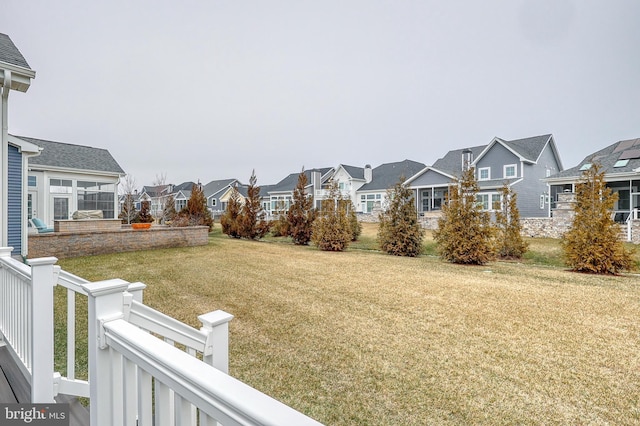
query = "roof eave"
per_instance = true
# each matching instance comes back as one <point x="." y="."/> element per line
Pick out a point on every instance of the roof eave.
<point x="20" y="76"/>
<point x="44" y="168"/>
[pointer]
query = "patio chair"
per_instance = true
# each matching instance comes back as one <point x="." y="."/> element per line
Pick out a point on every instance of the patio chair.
<point x="40" y="226"/>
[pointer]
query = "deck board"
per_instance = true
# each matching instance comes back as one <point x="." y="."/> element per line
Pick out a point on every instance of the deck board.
<point x="14" y="388"/>
<point x="6" y="393"/>
<point x="14" y="377"/>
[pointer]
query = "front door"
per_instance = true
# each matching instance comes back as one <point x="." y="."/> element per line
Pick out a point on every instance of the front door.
<point x="60" y="206"/>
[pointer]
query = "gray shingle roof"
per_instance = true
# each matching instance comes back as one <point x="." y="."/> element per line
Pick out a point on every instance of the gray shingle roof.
<point x="354" y="172"/>
<point x="154" y="191"/>
<point x="451" y="163"/>
<point x="529" y="148"/>
<point x="10" y="54"/>
<point x="289" y="183"/>
<point x="68" y="156"/>
<point x="608" y="157"/>
<point x="386" y="175"/>
<point x="216" y="186"/>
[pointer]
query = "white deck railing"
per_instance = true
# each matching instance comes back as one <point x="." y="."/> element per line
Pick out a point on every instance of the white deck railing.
<point x="138" y="371"/>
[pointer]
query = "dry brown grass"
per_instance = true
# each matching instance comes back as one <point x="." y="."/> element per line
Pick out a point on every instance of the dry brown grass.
<point x="364" y="338"/>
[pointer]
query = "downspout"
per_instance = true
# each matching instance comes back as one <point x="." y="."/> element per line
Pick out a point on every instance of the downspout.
<point x="4" y="161"/>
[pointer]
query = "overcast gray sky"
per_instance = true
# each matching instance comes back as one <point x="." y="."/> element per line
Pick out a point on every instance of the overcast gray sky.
<point x="205" y="90"/>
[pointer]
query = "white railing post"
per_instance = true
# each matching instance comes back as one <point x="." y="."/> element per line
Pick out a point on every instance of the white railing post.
<point x="105" y="303"/>
<point x="216" y="325"/>
<point x="136" y="289"/>
<point x="42" y="282"/>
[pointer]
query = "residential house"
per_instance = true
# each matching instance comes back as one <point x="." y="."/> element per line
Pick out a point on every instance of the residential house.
<point x="181" y="194"/>
<point x="280" y="195"/>
<point x="350" y="179"/>
<point x="522" y="164"/>
<point x="265" y="199"/>
<point x="213" y="191"/>
<point x="620" y="163"/>
<point x="156" y="195"/>
<point x="373" y="194"/>
<point x="65" y="178"/>
<point x="16" y="75"/>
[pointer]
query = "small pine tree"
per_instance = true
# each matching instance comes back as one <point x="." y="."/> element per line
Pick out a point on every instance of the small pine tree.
<point x="331" y="230"/>
<point x="144" y="215"/>
<point x="354" y="223"/>
<point x="280" y="226"/>
<point x="253" y="224"/>
<point x="230" y="219"/>
<point x="196" y="211"/>
<point x="169" y="212"/>
<point x="301" y="214"/>
<point x="399" y="232"/>
<point x="593" y="243"/>
<point x="128" y="213"/>
<point x="510" y="244"/>
<point x="464" y="233"/>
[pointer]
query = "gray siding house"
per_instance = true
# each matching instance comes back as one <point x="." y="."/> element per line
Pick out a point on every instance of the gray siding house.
<point x="213" y="191"/>
<point x="373" y="194"/>
<point x="280" y="195"/>
<point x="523" y="164"/>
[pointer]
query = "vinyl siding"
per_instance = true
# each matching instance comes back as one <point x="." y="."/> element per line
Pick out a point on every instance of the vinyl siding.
<point x="530" y="189"/>
<point x="14" y="216"/>
<point x="497" y="157"/>
<point x="430" y="178"/>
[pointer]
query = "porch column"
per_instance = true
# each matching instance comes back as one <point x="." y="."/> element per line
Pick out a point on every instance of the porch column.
<point x="4" y="159"/>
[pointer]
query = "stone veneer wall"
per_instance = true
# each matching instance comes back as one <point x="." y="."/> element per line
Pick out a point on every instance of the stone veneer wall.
<point x="74" y="244"/>
<point x="546" y="227"/>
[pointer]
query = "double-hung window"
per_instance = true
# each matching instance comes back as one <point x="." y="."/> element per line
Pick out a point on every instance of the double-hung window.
<point x="510" y="171"/>
<point x="484" y="173"/>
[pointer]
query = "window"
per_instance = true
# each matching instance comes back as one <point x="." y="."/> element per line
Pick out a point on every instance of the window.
<point x="585" y="166"/>
<point x="489" y="202"/>
<point x="483" y="200"/>
<point x="621" y="163"/>
<point x="33" y="180"/>
<point x="97" y="196"/>
<point x="60" y="186"/>
<point x="484" y="173"/>
<point x="213" y="202"/>
<point x="510" y="171"/>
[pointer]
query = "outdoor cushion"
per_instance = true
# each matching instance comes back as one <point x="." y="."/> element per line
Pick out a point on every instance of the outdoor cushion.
<point x="40" y="226"/>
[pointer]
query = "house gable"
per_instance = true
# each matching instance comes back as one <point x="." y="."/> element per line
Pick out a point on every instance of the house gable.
<point x="494" y="160"/>
<point x="430" y="177"/>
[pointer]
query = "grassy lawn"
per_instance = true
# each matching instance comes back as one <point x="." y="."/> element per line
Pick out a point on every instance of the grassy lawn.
<point x="362" y="338"/>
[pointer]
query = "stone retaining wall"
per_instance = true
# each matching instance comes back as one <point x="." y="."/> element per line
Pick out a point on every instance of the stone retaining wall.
<point x="87" y="225"/>
<point x="73" y="244"/>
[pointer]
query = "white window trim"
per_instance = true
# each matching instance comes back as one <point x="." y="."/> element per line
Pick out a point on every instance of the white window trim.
<point x="489" y="196"/>
<point x="515" y="171"/>
<point x="488" y="169"/>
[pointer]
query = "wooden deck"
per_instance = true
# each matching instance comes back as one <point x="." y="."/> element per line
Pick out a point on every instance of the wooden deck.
<point x="14" y="388"/>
